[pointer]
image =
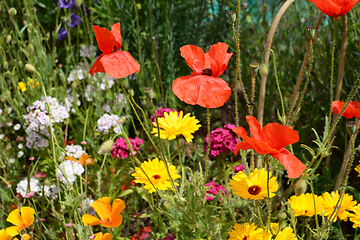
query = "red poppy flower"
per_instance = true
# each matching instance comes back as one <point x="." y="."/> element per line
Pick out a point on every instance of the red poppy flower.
<point x="203" y="86"/>
<point x="335" y="8"/>
<point x="352" y="110"/>
<point x="117" y="64"/>
<point x="271" y="140"/>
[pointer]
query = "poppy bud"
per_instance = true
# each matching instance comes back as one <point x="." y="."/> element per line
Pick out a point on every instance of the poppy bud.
<point x="150" y="92"/>
<point x="122" y="120"/>
<point x="282" y="216"/>
<point x="231" y="16"/>
<point x="5" y="64"/>
<point x="300" y="187"/>
<point x="254" y="67"/>
<point x="351" y="127"/>
<point x="12" y="12"/>
<point x="131" y="92"/>
<point x="8" y="38"/>
<point x="30" y="68"/>
<point x="310" y="32"/>
<point x="30" y="48"/>
<point x="20" y="63"/>
<point x="264" y="70"/>
<point x="106" y="147"/>
<point x="78" y="2"/>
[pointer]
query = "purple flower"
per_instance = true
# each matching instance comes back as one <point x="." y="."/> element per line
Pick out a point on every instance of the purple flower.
<point x="214" y="190"/>
<point x="222" y="140"/>
<point x="169" y="236"/>
<point x="121" y="150"/>
<point x="160" y="113"/>
<point x="239" y="168"/>
<point x="75" y="20"/>
<point x="62" y="34"/>
<point x="66" y="3"/>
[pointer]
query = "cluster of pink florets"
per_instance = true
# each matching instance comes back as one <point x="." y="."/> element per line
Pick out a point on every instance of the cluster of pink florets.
<point x="222" y="140"/>
<point x="121" y="150"/>
<point x="214" y="190"/>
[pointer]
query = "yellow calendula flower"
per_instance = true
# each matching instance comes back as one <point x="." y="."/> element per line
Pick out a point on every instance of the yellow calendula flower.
<point x="21" y="86"/>
<point x="355" y="217"/>
<point x="21" y="220"/>
<point x="254" y="186"/>
<point x="303" y="205"/>
<point x="286" y="234"/>
<point x="357" y="168"/>
<point x="154" y="175"/>
<point x="248" y="232"/>
<point x="329" y="204"/>
<point x="172" y="125"/>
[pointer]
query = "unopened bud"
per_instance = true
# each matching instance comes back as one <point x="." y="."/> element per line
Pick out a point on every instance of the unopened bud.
<point x="310" y="32"/>
<point x="30" y="48"/>
<point x="150" y="92"/>
<point x="254" y="68"/>
<point x="282" y="216"/>
<point x="351" y="127"/>
<point x="300" y="187"/>
<point x="122" y="120"/>
<point x="131" y="92"/>
<point x="20" y="63"/>
<point x="8" y="38"/>
<point x="30" y="68"/>
<point x="231" y="16"/>
<point x="5" y="64"/>
<point x="78" y="2"/>
<point x="264" y="70"/>
<point x="106" y="147"/>
<point x="12" y="12"/>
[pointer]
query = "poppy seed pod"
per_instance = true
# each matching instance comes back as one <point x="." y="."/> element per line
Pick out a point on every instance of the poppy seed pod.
<point x="282" y="216"/>
<point x="131" y="92"/>
<point x="5" y="64"/>
<point x="30" y="48"/>
<point x="310" y="32"/>
<point x="150" y="92"/>
<point x="78" y="2"/>
<point x="231" y="16"/>
<point x="300" y="187"/>
<point x="264" y="70"/>
<point x="106" y="147"/>
<point x="8" y="38"/>
<point x="12" y="12"/>
<point x="351" y="127"/>
<point x="254" y="68"/>
<point x="30" y="68"/>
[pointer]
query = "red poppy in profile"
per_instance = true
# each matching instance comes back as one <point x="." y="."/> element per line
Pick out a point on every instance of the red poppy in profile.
<point x="335" y="8"/>
<point x="352" y="110"/>
<point x="203" y="86"/>
<point x="117" y="64"/>
<point x="271" y="140"/>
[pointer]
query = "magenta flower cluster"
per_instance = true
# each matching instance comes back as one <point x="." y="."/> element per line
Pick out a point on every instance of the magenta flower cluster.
<point x="160" y="113"/>
<point x="239" y="168"/>
<point x="215" y="189"/>
<point x="121" y="150"/>
<point x="222" y="140"/>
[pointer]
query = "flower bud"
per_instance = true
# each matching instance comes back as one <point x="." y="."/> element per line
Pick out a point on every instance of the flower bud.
<point x="30" y="68"/>
<point x="282" y="216"/>
<point x="351" y="127"/>
<point x="78" y="2"/>
<point x="310" y="32"/>
<point x="20" y="63"/>
<point x="5" y="64"/>
<point x="131" y="92"/>
<point x="106" y="147"/>
<point x="8" y="38"/>
<point x="150" y="92"/>
<point x="30" y="48"/>
<point x="12" y="12"/>
<point x="264" y="70"/>
<point x="254" y="68"/>
<point x="231" y="16"/>
<point x="300" y="187"/>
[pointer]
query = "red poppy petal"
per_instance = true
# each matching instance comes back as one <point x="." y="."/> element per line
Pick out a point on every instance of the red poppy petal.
<point x="239" y="131"/>
<point x="279" y="136"/>
<point x="259" y="146"/>
<point x="213" y="91"/>
<point x="194" y="57"/>
<point x="119" y="64"/>
<point x="255" y="127"/>
<point x="104" y="38"/>
<point x="116" y="32"/>
<point x="326" y="7"/>
<point x="292" y="164"/>
<point x="218" y="52"/>
<point x="336" y="106"/>
<point x="242" y="146"/>
<point x="97" y="66"/>
<point x="186" y="89"/>
<point x="352" y="110"/>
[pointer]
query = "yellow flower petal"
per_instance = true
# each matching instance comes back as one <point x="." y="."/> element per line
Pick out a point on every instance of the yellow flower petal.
<point x="88" y="219"/>
<point x="4" y="235"/>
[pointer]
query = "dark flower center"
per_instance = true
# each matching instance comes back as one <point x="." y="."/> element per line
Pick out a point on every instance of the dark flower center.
<point x="156" y="177"/>
<point x="207" y="71"/>
<point x="245" y="238"/>
<point x="254" y="190"/>
<point x="114" y="49"/>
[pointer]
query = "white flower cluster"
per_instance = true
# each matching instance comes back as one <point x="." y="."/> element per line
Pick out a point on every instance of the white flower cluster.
<point x="24" y="188"/>
<point x="85" y="207"/>
<point x="70" y="99"/>
<point x="68" y="170"/>
<point x="76" y="73"/>
<point x="88" y="52"/>
<point x="107" y="122"/>
<point x="74" y="151"/>
<point x="38" y="121"/>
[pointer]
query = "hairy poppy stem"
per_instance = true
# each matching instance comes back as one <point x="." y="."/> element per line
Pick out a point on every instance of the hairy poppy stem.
<point x="332" y="67"/>
<point x="268" y="190"/>
<point x="209" y="145"/>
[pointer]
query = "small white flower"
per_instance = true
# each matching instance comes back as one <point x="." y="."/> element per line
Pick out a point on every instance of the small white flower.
<point x="2" y="136"/>
<point x="11" y="160"/>
<point x="1" y="111"/>
<point x="20" y="154"/>
<point x="10" y="123"/>
<point x="23" y="187"/>
<point x="20" y="146"/>
<point x="17" y="126"/>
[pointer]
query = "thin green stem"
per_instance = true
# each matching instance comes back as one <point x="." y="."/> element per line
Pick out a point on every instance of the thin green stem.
<point x="179" y="153"/>
<point x="209" y="145"/>
<point x="268" y="190"/>
<point x="332" y="67"/>
<point x="258" y="213"/>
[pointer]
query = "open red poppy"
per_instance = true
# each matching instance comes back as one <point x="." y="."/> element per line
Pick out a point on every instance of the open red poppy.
<point x="203" y="86"/>
<point x="271" y="140"/>
<point x="117" y="64"/>
<point x="352" y="110"/>
<point x="335" y="8"/>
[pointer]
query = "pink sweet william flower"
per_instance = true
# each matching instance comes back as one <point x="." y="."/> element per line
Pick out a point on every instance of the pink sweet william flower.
<point x="222" y="140"/>
<point x="239" y="168"/>
<point x="121" y="150"/>
<point x="160" y="113"/>
<point x="214" y="190"/>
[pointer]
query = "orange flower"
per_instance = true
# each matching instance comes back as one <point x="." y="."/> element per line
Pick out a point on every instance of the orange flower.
<point x="101" y="236"/>
<point x="352" y="110"/>
<point x="203" y="86"/>
<point x="109" y="217"/>
<point x="82" y="160"/>
<point x="20" y="221"/>
<point x="335" y="8"/>
<point x="4" y="235"/>
<point x="271" y="140"/>
<point x="117" y="64"/>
